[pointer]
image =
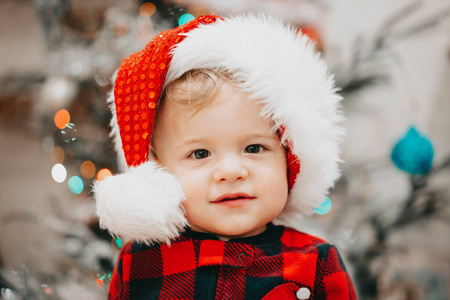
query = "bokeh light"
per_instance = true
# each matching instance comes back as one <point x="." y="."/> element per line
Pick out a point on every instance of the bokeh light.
<point x="69" y="133"/>
<point x="59" y="173"/>
<point x="324" y="207"/>
<point x="62" y="118"/>
<point x="76" y="185"/>
<point x="103" y="173"/>
<point x="47" y="144"/>
<point x="57" y="155"/>
<point x="46" y="289"/>
<point x="7" y="293"/>
<point x="147" y="9"/>
<point x="100" y="281"/>
<point x="87" y="169"/>
<point x="118" y="242"/>
<point x="325" y="218"/>
<point x="185" y="18"/>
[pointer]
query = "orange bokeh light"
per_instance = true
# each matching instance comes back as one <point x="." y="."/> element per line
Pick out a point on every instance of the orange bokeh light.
<point x="100" y="282"/>
<point x="57" y="155"/>
<point x="87" y="169"/>
<point x="103" y="173"/>
<point x="147" y="9"/>
<point x="62" y="118"/>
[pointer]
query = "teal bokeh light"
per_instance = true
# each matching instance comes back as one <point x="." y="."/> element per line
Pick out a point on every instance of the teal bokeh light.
<point x="118" y="242"/>
<point x="185" y="18"/>
<point x="76" y="185"/>
<point x="324" y="207"/>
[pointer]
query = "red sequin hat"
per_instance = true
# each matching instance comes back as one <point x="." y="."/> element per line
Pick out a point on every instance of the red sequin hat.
<point x="138" y="87"/>
<point x="276" y="65"/>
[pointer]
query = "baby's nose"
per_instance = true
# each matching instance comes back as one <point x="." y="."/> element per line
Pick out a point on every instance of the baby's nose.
<point x="231" y="170"/>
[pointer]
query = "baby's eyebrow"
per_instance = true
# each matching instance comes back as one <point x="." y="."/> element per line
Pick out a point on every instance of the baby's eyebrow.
<point x="263" y="135"/>
<point x="188" y="142"/>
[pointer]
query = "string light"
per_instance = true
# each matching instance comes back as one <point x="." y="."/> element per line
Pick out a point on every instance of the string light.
<point x="59" y="173"/>
<point x="57" y="155"/>
<point x="76" y="185"/>
<point x="100" y="281"/>
<point x="185" y="18"/>
<point x="147" y="9"/>
<point x="47" y="289"/>
<point x="103" y="173"/>
<point x="87" y="169"/>
<point x="324" y="207"/>
<point x="62" y="118"/>
<point x="118" y="242"/>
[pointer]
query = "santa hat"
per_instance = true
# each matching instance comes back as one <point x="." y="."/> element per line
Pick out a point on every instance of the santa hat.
<point x="275" y="64"/>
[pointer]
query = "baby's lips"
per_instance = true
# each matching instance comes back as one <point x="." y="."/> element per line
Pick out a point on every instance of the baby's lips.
<point x="232" y="196"/>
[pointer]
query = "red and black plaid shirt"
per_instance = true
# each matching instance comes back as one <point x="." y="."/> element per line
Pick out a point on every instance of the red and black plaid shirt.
<point x="199" y="266"/>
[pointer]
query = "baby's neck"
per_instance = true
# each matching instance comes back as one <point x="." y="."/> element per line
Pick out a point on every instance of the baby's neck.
<point x="225" y="238"/>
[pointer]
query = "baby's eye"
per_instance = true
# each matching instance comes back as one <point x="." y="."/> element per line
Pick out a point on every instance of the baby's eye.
<point x="200" y="154"/>
<point x="254" y="148"/>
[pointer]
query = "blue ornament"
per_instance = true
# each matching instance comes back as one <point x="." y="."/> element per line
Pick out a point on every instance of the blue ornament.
<point x="413" y="153"/>
<point x="324" y="207"/>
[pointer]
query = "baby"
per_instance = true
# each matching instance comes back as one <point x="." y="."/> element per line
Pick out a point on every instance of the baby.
<point x="228" y="127"/>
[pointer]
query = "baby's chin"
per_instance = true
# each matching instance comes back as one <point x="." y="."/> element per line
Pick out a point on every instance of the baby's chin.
<point x="232" y="233"/>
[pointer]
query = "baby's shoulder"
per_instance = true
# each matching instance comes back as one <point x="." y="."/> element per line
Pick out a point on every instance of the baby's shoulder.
<point x="296" y="241"/>
<point x="137" y="247"/>
<point x="293" y="238"/>
<point x="133" y="247"/>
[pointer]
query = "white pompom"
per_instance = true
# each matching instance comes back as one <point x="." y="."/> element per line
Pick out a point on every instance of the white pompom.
<point x="144" y="204"/>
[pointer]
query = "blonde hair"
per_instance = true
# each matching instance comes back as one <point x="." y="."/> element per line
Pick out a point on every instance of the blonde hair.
<point x="195" y="88"/>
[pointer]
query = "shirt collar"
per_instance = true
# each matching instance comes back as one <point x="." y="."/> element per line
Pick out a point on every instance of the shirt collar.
<point x="270" y="235"/>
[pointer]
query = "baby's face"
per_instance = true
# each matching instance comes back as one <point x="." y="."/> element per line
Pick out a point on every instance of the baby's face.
<point x="230" y="164"/>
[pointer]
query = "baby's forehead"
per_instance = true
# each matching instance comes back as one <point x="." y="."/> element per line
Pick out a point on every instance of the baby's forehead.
<point x="195" y="99"/>
<point x="229" y="105"/>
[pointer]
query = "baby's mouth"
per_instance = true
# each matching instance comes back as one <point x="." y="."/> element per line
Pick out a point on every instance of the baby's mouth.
<point x="233" y="197"/>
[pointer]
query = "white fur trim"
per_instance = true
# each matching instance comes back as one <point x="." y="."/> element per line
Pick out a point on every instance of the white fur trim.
<point x="280" y="69"/>
<point x="144" y="204"/>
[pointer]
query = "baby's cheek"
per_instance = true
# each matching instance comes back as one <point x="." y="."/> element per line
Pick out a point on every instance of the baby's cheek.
<point x="188" y="190"/>
<point x="194" y="215"/>
<point x="192" y="198"/>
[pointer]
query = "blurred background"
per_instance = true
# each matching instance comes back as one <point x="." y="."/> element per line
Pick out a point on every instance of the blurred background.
<point x="390" y="213"/>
